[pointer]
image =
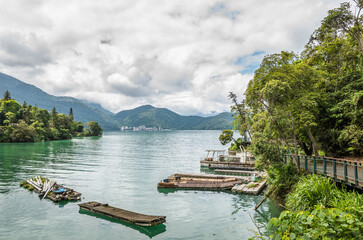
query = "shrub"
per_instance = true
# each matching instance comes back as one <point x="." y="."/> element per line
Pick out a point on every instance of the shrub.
<point x="310" y="191"/>
<point x="321" y="223"/>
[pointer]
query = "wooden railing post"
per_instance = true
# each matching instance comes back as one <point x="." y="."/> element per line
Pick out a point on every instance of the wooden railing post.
<point x="285" y="159"/>
<point x="334" y="169"/>
<point x="355" y="174"/>
<point x="345" y="172"/>
<point x="306" y="163"/>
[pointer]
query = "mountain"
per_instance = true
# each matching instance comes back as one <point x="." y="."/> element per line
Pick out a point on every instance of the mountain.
<point x="21" y="92"/>
<point x="153" y="117"/>
<point x="84" y="111"/>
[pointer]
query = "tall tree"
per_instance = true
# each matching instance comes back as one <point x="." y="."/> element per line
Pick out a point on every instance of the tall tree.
<point x="54" y="118"/>
<point x="7" y="95"/>
<point x="71" y="114"/>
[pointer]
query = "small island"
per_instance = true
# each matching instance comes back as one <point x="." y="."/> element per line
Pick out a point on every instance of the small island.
<point x="26" y="123"/>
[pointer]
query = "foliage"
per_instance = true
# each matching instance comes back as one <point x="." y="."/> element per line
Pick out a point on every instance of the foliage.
<point x="312" y="102"/>
<point x="320" y="223"/>
<point x="25" y="123"/>
<point x="320" y="210"/>
<point x="282" y="178"/>
<point x="94" y="128"/>
<point x="7" y="95"/>
<point x="310" y="191"/>
<point x="227" y="137"/>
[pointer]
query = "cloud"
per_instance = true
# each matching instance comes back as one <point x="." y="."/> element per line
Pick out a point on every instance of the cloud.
<point x="186" y="56"/>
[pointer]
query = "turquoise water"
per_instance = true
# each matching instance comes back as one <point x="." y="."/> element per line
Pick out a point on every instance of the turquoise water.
<point x="121" y="169"/>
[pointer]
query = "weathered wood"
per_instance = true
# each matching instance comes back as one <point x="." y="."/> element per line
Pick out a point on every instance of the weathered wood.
<point x="200" y="182"/>
<point x="69" y="194"/>
<point x="266" y="196"/>
<point x="34" y="185"/>
<point x="50" y="185"/>
<point x="123" y="215"/>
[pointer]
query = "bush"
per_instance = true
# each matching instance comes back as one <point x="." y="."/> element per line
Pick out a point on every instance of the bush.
<point x="321" y="223"/>
<point x="283" y="178"/>
<point x="320" y="210"/>
<point x="310" y="191"/>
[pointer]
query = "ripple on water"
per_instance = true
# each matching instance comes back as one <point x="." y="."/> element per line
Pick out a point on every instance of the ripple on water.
<point x="121" y="169"/>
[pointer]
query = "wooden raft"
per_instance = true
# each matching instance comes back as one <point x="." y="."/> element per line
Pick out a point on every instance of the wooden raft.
<point x="123" y="215"/>
<point x="199" y="182"/>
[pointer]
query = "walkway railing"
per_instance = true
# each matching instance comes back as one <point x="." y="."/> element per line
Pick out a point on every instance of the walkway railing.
<point x="342" y="170"/>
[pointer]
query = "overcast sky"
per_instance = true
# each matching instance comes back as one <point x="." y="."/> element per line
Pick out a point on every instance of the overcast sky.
<point x="182" y="55"/>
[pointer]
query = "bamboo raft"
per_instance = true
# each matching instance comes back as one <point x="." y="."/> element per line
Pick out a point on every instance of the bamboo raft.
<point x="48" y="189"/>
<point x="123" y="215"/>
<point x="251" y="188"/>
<point x="199" y="182"/>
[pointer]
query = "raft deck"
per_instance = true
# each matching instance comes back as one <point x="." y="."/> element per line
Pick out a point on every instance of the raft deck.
<point x="123" y="215"/>
<point x="251" y="188"/>
<point x="199" y="182"/>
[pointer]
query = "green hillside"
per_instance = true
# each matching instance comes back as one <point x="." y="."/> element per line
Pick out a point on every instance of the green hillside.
<point x="154" y="117"/>
<point x="83" y="111"/>
<point x="21" y="92"/>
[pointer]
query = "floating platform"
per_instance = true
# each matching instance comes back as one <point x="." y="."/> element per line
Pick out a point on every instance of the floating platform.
<point x="200" y="182"/>
<point x="236" y="172"/>
<point x="250" y="188"/>
<point x="123" y="215"/>
<point x="54" y="191"/>
<point x="227" y="165"/>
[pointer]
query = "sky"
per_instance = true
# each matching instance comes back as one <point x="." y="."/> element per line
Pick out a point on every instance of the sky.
<point x="182" y="55"/>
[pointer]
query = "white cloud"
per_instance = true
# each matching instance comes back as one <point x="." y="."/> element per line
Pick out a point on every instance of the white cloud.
<point x="181" y="55"/>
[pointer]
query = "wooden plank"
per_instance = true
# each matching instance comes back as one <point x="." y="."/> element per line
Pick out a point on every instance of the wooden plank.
<point x="123" y="215"/>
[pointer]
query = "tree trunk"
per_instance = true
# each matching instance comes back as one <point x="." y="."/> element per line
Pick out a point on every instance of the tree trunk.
<point x="312" y="139"/>
<point x="295" y="141"/>
<point x="308" y="151"/>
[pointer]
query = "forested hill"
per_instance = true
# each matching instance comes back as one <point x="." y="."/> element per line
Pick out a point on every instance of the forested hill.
<point x="85" y="112"/>
<point x="150" y="116"/>
<point x="21" y="92"/>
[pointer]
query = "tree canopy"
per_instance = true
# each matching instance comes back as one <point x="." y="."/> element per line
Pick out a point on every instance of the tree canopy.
<point x="26" y="123"/>
<point x="310" y="103"/>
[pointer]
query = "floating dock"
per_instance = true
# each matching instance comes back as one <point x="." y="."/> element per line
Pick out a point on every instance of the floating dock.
<point x="236" y="172"/>
<point x="250" y="188"/>
<point x="123" y="215"/>
<point x="200" y="182"/>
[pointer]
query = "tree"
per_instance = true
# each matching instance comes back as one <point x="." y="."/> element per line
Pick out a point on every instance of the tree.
<point x="7" y="95"/>
<point x="23" y="133"/>
<point x="341" y="21"/>
<point x="54" y="118"/>
<point x="95" y="128"/>
<point x="227" y="136"/>
<point x="71" y="114"/>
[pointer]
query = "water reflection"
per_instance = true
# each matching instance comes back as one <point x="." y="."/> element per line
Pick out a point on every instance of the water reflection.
<point x="148" y="231"/>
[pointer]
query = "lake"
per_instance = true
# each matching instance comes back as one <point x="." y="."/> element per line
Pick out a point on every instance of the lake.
<point x="122" y="169"/>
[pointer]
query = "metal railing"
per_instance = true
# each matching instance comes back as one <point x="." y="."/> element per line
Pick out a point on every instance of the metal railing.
<point x="341" y="170"/>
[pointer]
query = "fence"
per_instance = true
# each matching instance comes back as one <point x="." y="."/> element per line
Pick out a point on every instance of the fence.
<point x="342" y="170"/>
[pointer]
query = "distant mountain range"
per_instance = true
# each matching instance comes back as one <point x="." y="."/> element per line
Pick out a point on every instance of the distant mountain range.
<point x="84" y="111"/>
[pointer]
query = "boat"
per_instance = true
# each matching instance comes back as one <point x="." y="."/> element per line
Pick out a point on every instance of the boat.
<point x="199" y="182"/>
<point x="123" y="215"/>
<point x="233" y="160"/>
